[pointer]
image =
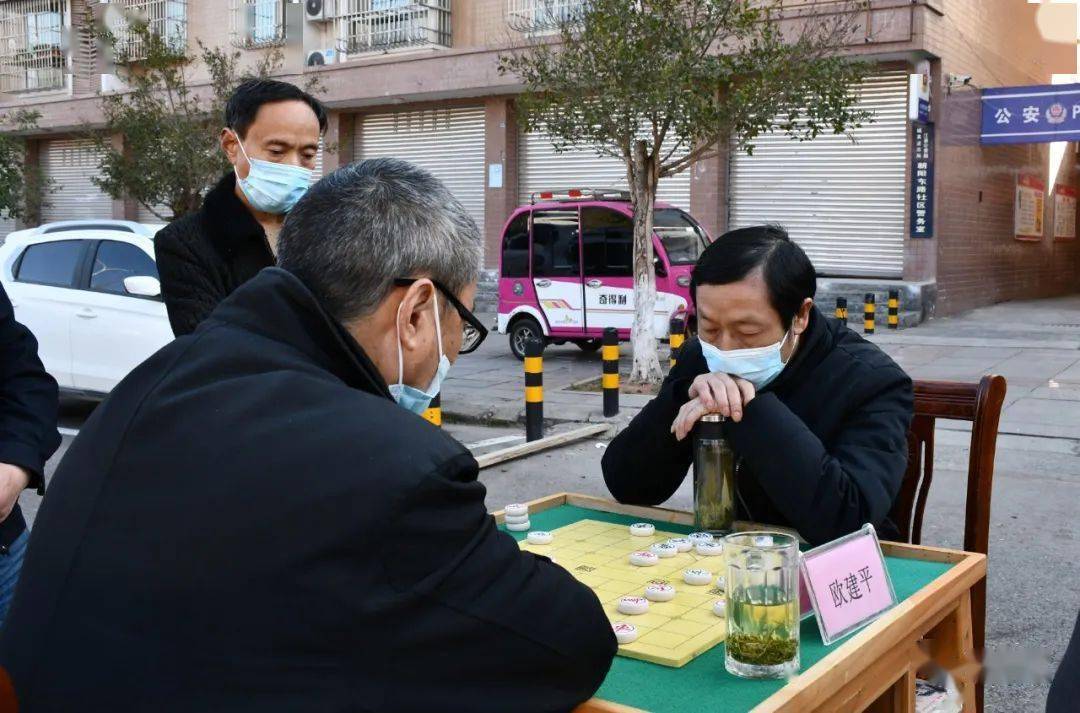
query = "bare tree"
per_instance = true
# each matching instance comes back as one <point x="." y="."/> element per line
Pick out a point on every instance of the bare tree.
<point x="661" y="84"/>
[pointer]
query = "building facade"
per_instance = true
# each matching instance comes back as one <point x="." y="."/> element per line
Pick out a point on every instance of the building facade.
<point x="419" y="80"/>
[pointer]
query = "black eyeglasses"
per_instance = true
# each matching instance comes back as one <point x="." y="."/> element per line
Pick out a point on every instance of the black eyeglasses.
<point x="473" y="330"/>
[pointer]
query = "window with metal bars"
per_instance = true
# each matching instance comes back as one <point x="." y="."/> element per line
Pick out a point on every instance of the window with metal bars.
<point x="165" y="18"/>
<point x="367" y="26"/>
<point x="255" y="24"/>
<point x="533" y="16"/>
<point x="32" y="56"/>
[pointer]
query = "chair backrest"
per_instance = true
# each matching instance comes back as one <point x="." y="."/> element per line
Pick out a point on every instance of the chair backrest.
<point x="979" y="403"/>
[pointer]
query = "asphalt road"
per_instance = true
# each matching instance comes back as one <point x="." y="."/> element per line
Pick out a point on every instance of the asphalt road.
<point x="1034" y="534"/>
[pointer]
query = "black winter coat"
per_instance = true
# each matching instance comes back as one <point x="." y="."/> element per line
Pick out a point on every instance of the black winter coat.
<point x="204" y="256"/>
<point x="822" y="449"/>
<point x="250" y="523"/>
<point x="29" y="401"/>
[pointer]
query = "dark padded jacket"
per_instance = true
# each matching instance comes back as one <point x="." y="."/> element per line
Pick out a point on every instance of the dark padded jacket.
<point x="204" y="256"/>
<point x="29" y="402"/>
<point x="823" y="449"/>
<point x="250" y="523"/>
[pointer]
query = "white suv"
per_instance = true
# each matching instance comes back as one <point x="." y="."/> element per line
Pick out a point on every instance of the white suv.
<point x="89" y="291"/>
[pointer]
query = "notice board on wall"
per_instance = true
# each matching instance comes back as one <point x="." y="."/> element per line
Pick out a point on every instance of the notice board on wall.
<point x="1064" y="212"/>
<point x="1029" y="208"/>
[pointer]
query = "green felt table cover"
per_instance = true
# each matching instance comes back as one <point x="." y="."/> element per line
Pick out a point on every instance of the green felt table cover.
<point x="704" y="684"/>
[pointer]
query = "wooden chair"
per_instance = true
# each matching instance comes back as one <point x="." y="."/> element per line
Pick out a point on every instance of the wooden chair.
<point x="981" y="404"/>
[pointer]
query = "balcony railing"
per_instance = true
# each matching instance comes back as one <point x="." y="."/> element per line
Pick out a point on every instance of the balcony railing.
<point x="542" y="15"/>
<point x="165" y="18"/>
<point x="32" y="54"/>
<point x="367" y="26"/>
<point x="255" y="24"/>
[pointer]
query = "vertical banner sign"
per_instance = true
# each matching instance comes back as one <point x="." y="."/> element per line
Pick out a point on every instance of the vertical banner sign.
<point x="921" y="216"/>
<point x="1064" y="212"/>
<point x="1030" y="207"/>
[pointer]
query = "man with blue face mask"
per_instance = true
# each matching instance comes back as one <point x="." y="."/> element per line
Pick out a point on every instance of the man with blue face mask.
<point x="271" y="139"/>
<point x="259" y="520"/>
<point x="817" y="416"/>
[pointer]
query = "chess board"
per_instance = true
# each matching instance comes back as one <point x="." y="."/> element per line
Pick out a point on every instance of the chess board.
<point x="670" y="633"/>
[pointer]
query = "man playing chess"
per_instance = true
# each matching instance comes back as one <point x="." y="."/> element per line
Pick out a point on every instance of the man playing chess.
<point x="817" y="416"/>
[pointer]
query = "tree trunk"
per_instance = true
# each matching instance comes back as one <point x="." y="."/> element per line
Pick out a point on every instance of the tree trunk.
<point x="643" y="178"/>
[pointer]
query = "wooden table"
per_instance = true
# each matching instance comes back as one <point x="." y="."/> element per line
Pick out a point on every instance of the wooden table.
<point x="872" y="670"/>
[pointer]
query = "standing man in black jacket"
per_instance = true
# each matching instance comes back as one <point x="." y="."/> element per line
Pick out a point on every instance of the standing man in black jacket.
<point x="271" y="137"/>
<point x="259" y="520"/>
<point x="28" y="437"/>
<point x="817" y="416"/>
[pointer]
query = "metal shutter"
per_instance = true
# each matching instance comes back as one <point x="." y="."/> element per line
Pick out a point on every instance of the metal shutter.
<point x="71" y="163"/>
<point x="143" y="214"/>
<point x="448" y="142"/>
<point x="540" y="168"/>
<point x="843" y="202"/>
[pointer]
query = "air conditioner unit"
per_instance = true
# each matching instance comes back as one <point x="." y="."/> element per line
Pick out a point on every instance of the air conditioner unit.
<point x="317" y="58"/>
<point x="319" y="10"/>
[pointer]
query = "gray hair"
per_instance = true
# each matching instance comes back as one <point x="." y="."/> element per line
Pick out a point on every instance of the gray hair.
<point x="370" y="222"/>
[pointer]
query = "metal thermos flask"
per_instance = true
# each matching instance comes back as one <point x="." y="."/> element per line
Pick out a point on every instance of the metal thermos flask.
<point x="714" y="477"/>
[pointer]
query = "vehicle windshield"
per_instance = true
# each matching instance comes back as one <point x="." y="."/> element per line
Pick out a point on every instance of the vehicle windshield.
<point x="682" y="237"/>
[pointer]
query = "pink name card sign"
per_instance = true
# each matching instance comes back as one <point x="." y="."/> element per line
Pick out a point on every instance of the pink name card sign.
<point x="847" y="583"/>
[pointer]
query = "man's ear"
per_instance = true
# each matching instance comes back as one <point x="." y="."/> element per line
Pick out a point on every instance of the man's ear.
<point x="229" y="145"/>
<point x="802" y="317"/>
<point x="417" y="311"/>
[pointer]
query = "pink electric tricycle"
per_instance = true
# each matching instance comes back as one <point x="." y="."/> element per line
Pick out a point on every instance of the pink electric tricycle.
<point x="566" y="270"/>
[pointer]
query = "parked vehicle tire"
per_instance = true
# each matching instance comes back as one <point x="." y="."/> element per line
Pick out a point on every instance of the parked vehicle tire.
<point x="589" y="345"/>
<point x="522" y="331"/>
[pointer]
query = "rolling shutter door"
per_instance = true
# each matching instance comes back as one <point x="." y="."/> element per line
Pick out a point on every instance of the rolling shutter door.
<point x="70" y="164"/>
<point x="541" y="169"/>
<point x="448" y="142"/>
<point x="143" y="214"/>
<point x="843" y="202"/>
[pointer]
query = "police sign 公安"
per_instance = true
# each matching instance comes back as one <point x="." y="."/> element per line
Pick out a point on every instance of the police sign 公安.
<point x="1033" y="114"/>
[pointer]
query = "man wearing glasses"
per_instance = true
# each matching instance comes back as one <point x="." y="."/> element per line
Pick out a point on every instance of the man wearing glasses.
<point x="257" y="519"/>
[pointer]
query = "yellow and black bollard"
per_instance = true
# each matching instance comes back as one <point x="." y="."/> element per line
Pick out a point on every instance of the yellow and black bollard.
<point x="534" y="389"/>
<point x="841" y="309"/>
<point x="433" y="412"/>
<point x="869" y="315"/>
<point x="610" y="379"/>
<point x="894" y="309"/>
<point x="676" y="337"/>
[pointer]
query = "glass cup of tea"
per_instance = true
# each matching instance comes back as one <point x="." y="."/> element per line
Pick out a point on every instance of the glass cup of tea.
<point x="762" y="604"/>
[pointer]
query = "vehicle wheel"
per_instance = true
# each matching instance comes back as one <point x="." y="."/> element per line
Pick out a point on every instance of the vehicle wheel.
<point x="523" y="330"/>
<point x="589" y="345"/>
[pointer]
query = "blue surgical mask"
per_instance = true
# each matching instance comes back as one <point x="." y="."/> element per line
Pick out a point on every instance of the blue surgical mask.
<point x="410" y="397"/>
<point x="759" y="366"/>
<point x="273" y="187"/>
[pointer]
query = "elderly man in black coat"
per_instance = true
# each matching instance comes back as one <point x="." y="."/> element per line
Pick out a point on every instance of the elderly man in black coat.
<point x="271" y="138"/>
<point x="28" y="437"/>
<point x="817" y="416"/>
<point x="259" y="520"/>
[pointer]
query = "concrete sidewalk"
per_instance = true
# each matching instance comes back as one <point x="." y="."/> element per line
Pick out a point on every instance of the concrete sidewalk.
<point x="1034" y="345"/>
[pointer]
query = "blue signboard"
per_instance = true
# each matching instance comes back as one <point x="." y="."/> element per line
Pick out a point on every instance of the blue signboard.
<point x="921" y="215"/>
<point x="1035" y="114"/>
